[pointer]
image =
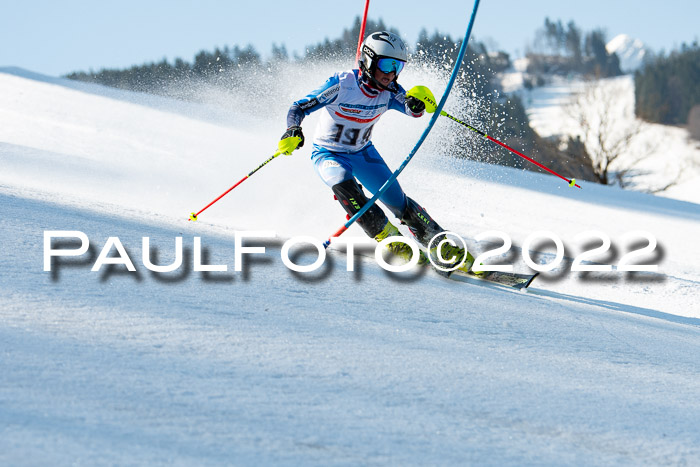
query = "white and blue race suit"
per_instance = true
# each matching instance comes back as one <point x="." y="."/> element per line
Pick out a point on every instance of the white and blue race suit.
<point x="342" y="143"/>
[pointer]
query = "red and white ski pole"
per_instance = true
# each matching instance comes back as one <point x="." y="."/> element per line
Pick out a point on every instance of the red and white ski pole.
<point x="193" y="216"/>
<point x="286" y="146"/>
<point x="424" y="94"/>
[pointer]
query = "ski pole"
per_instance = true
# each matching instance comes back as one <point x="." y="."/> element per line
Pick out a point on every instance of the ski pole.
<point x="424" y="94"/>
<point x="572" y="183"/>
<point x="193" y="216"/>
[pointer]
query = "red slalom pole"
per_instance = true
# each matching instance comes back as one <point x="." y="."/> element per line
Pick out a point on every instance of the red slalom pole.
<point x="193" y="216"/>
<point x="572" y="182"/>
<point x="362" y="32"/>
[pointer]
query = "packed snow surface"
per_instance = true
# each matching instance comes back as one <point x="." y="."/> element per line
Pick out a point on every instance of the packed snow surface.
<point x="270" y="366"/>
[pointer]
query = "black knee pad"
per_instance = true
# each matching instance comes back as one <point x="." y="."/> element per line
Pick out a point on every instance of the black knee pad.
<point x="352" y="198"/>
<point x="423" y="227"/>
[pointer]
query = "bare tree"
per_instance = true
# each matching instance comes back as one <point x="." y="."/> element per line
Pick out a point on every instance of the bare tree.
<point x="609" y="131"/>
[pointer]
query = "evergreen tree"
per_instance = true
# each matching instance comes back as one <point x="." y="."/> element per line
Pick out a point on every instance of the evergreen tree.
<point x="572" y="40"/>
<point x="668" y="87"/>
<point x="567" y="54"/>
<point x="344" y="47"/>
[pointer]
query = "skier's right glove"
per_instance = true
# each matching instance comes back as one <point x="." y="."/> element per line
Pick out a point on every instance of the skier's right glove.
<point x="292" y="139"/>
<point x="424" y="95"/>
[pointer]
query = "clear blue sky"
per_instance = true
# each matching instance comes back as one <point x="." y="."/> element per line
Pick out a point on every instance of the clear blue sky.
<point x="56" y="37"/>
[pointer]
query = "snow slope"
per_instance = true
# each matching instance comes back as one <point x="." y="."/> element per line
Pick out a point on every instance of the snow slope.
<point x="267" y="366"/>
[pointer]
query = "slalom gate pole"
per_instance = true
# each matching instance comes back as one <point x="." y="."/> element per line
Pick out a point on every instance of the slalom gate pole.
<point x="193" y="216"/>
<point x="394" y="176"/>
<point x="362" y="32"/>
<point x="572" y="183"/>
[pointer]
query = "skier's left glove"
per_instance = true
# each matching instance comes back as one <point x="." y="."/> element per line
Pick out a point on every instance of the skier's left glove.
<point x="292" y="139"/>
<point x="415" y="105"/>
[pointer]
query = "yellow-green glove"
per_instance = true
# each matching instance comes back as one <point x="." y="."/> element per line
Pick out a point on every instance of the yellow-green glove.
<point x="292" y="139"/>
<point x="424" y="95"/>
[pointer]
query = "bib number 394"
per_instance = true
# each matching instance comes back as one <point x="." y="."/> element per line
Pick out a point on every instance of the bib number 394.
<point x="349" y="136"/>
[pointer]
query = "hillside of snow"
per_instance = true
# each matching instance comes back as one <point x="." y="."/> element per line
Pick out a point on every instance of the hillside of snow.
<point x="659" y="159"/>
<point x="659" y="155"/>
<point x="270" y="366"/>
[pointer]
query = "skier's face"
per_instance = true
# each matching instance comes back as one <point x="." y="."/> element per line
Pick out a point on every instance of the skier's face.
<point x="384" y="79"/>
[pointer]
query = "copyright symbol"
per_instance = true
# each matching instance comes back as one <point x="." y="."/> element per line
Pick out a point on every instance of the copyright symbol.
<point x="441" y="239"/>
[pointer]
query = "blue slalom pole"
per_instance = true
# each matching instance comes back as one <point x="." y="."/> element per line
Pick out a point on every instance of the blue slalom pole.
<point x="433" y="119"/>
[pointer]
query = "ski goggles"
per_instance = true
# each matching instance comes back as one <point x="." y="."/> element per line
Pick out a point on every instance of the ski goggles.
<point x="388" y="65"/>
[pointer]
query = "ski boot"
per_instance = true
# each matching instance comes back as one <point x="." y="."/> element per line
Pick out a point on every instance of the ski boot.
<point x="400" y="249"/>
<point x="448" y="252"/>
<point x="374" y="222"/>
<point x="424" y="228"/>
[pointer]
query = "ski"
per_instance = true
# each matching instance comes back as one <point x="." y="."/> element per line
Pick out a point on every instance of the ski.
<point x="508" y="279"/>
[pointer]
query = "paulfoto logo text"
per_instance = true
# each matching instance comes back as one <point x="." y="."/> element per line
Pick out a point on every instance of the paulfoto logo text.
<point x="640" y="246"/>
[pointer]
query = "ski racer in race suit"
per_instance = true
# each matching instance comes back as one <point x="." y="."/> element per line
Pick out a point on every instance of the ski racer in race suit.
<point x="343" y="154"/>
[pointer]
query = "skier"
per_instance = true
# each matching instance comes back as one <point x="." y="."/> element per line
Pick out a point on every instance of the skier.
<point x="343" y="153"/>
